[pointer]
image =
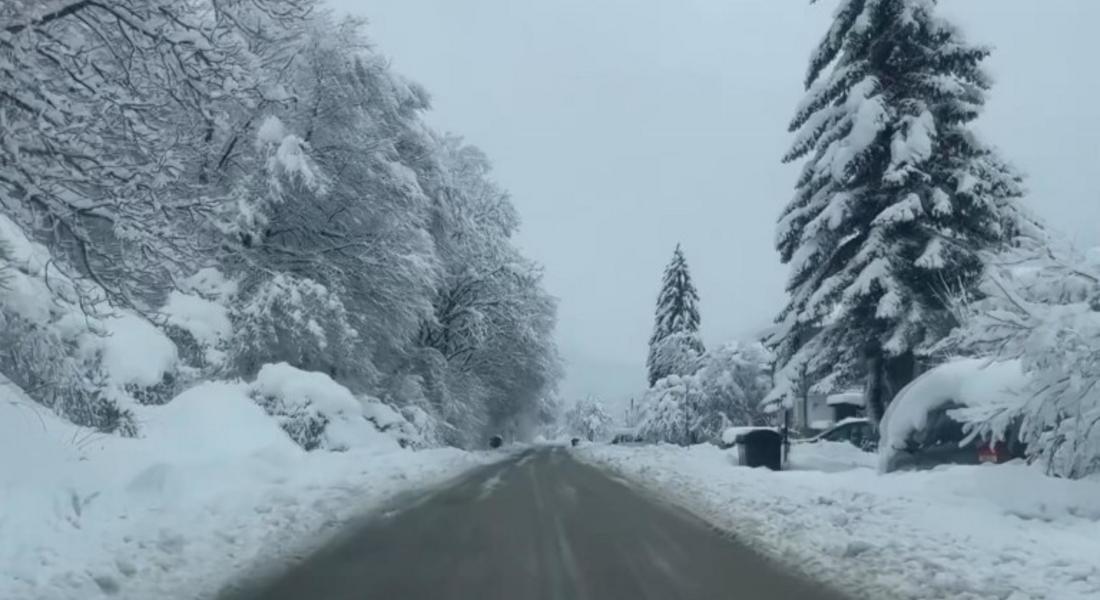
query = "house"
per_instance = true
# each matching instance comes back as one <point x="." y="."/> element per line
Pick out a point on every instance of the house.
<point x="816" y="412"/>
<point x="812" y="413"/>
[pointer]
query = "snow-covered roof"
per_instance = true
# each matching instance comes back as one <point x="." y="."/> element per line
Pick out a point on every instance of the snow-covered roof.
<point x="977" y="384"/>
<point x="853" y="398"/>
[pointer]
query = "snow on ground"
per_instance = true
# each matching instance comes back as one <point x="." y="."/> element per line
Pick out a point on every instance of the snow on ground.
<point x="996" y="532"/>
<point x="214" y="488"/>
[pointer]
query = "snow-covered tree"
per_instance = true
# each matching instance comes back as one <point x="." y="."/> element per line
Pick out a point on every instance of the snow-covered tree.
<point x="109" y="109"/>
<point x="1042" y="306"/>
<point x="675" y="340"/>
<point x="735" y="378"/>
<point x="674" y="411"/>
<point x="895" y="202"/>
<point x="148" y="141"/>
<point x="588" y="419"/>
<point x="678" y="353"/>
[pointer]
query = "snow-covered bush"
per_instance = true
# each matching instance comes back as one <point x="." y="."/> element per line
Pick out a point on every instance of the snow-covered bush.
<point x="319" y="413"/>
<point x="735" y="378"/>
<point x="588" y="419"/>
<point x="44" y="334"/>
<point x="1042" y="306"/>
<point x="722" y="388"/>
<point x="674" y="411"/>
<point x="197" y="319"/>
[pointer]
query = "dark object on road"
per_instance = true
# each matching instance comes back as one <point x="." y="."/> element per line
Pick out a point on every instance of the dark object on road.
<point x="537" y="526"/>
<point x="576" y="441"/>
<point x="496" y="441"/>
<point x="760" y="448"/>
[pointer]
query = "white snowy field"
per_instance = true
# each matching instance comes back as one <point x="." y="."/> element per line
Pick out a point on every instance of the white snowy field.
<point x="992" y="532"/>
<point x="214" y="489"/>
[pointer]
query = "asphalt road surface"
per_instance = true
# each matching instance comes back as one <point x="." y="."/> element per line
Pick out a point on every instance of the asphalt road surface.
<point x="540" y="526"/>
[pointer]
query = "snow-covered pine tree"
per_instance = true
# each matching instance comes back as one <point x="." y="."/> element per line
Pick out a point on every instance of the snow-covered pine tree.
<point x="677" y="323"/>
<point x="895" y="202"/>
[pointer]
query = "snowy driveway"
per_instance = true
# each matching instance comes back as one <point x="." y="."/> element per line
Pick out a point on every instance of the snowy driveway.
<point x="539" y="526"/>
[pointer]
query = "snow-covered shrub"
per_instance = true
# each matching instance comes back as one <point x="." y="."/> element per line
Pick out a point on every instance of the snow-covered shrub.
<point x="588" y="419"/>
<point x="735" y="378"/>
<point x="674" y="411"/>
<point x="724" y="387"/>
<point x="42" y="333"/>
<point x="1042" y="306"/>
<point x="319" y="413"/>
<point x="136" y="358"/>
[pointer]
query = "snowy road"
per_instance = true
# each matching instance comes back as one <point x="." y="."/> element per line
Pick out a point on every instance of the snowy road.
<point x="539" y="526"/>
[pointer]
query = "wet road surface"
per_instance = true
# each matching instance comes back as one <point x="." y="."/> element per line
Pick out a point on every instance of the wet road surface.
<point x="540" y="526"/>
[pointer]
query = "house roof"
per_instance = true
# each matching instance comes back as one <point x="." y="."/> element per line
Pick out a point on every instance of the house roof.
<point x="853" y="398"/>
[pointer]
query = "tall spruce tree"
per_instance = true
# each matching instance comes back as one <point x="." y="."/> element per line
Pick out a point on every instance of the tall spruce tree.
<point x="895" y="202"/>
<point x="675" y="346"/>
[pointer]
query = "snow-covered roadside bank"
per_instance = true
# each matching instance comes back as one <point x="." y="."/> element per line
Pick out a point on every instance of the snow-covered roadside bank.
<point x="215" y="488"/>
<point x="1002" y="532"/>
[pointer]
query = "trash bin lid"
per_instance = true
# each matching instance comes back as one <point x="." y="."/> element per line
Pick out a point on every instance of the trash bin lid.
<point x="736" y="435"/>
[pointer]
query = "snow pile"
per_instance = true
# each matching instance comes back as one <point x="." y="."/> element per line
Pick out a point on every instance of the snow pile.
<point x="214" y="489"/>
<point x="969" y="386"/>
<point x="962" y="532"/>
<point x="829" y="457"/>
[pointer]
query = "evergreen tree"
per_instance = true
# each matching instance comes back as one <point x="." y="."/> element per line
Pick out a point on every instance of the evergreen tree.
<point x="895" y="202"/>
<point x="675" y="347"/>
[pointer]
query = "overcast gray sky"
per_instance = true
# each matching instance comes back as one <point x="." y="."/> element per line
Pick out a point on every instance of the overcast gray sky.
<point x="622" y="127"/>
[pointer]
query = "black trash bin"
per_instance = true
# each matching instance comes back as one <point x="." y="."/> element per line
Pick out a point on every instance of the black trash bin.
<point x="760" y="448"/>
<point x="496" y="441"/>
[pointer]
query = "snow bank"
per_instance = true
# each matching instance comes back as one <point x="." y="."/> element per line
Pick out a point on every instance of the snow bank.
<point x="193" y="427"/>
<point x="214" y="488"/>
<point x="973" y="383"/>
<point x="991" y="532"/>
<point x="829" y="457"/>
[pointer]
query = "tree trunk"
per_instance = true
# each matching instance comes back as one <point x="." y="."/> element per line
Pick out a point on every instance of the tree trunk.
<point x="886" y="376"/>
